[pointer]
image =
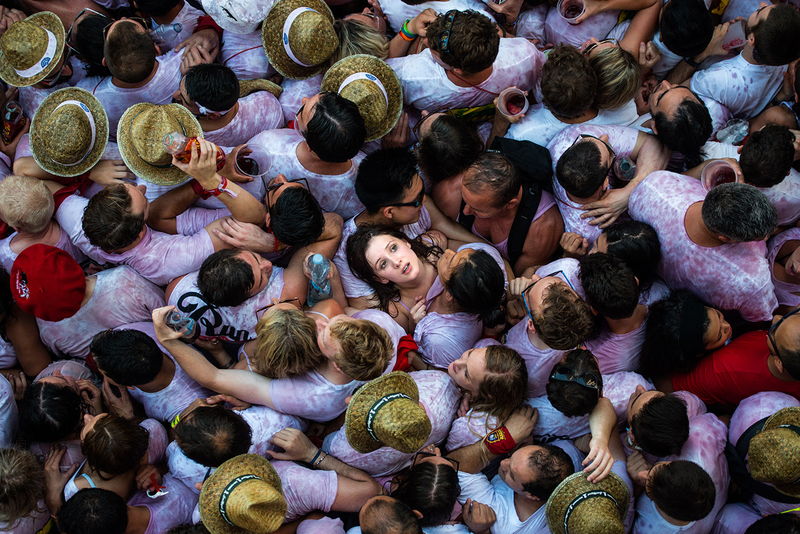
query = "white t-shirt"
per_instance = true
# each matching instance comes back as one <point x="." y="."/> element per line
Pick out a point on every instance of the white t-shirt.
<point x="742" y="87"/>
<point x="558" y="31"/>
<point x="7" y="255"/>
<point x="293" y="93"/>
<point x="258" y="111"/>
<point x="244" y="54"/>
<point x="8" y="413"/>
<point x="397" y="11"/>
<point x="177" y="31"/>
<point x="538" y="361"/>
<point x="426" y="85"/>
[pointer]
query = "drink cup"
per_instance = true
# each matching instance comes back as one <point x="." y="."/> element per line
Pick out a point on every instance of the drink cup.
<point x="716" y="173"/>
<point x="570" y="10"/>
<point x="735" y="38"/>
<point x="254" y="164"/>
<point x="512" y="102"/>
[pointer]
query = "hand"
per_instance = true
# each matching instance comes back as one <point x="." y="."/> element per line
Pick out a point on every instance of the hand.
<point x="245" y="235"/>
<point x="499" y="117"/>
<point x="418" y="311"/>
<point x="574" y="245"/>
<point x="599" y="460"/>
<point x="592" y="8"/>
<point x="8" y="17"/>
<point x="649" y="55"/>
<point x="515" y="311"/>
<point x="518" y="285"/>
<point x="521" y="422"/>
<point x="419" y="24"/>
<point x="510" y="9"/>
<point x="196" y="55"/>
<point x="463" y="406"/>
<point x="148" y="478"/>
<point x="233" y="402"/>
<point x="296" y="446"/>
<point x="206" y="39"/>
<point x="229" y="169"/>
<point x="733" y="162"/>
<point x="18" y="381"/>
<point x="91" y="395"/>
<point x="714" y="47"/>
<point x="399" y="135"/>
<point x="111" y="171"/>
<point x="638" y="468"/>
<point x="477" y="516"/>
<point x="117" y="399"/>
<point x="203" y="164"/>
<point x="608" y="209"/>
<point x="54" y="479"/>
<point x="217" y="351"/>
<point x="164" y="333"/>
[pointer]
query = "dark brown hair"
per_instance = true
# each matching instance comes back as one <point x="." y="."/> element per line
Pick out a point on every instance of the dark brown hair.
<point x="129" y="52"/>
<point x="115" y="445"/>
<point x="108" y="222"/>
<point x="471" y="44"/>
<point x="569" y="83"/>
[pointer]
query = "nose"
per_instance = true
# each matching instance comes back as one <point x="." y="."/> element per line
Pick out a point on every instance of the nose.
<point x="639" y="389"/>
<point x="468" y="210"/>
<point x="280" y="179"/>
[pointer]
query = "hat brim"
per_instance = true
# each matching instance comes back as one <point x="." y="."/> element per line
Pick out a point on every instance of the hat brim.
<point x="247" y="87"/>
<point x="37" y="135"/>
<point x="362" y="401"/>
<point x="577" y="484"/>
<point x="343" y="68"/>
<point x="244" y="464"/>
<point x="51" y="22"/>
<point x="169" y="175"/>
<point x="272" y="34"/>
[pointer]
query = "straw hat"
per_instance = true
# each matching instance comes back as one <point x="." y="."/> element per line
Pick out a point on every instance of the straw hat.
<point x="30" y="49"/>
<point x="373" y="86"/>
<point x="247" y="87"/>
<point x="140" y="136"/>
<point x="386" y="412"/>
<point x="774" y="453"/>
<point x="243" y="495"/>
<point x="69" y="132"/>
<point x="237" y="16"/>
<point x="298" y="37"/>
<point x="578" y="506"/>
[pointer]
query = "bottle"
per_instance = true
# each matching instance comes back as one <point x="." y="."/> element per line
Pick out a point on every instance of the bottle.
<point x="180" y="323"/>
<point x="163" y="32"/>
<point x="180" y="146"/>
<point x="13" y="121"/>
<point x="623" y="172"/>
<point x="734" y="132"/>
<point x="320" y="287"/>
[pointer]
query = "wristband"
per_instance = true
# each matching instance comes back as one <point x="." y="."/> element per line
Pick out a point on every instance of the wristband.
<point x="499" y="441"/>
<point x="175" y="421"/>
<point x="405" y="33"/>
<point x="319" y="461"/>
<point x="316" y="456"/>
<point x="691" y="62"/>
<point x="217" y="191"/>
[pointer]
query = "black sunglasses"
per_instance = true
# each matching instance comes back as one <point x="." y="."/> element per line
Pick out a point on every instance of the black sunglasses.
<point x="444" y="39"/>
<point x="563" y="373"/>
<point x="417" y="202"/>
<point x="259" y="315"/>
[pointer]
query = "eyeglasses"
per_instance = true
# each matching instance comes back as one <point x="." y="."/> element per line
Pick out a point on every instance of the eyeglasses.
<point x="444" y="39"/>
<point x="274" y="187"/>
<point x="591" y="46"/>
<point x="138" y="20"/>
<point x="774" y="328"/>
<point x="417" y="202"/>
<point x="259" y="311"/>
<point x="629" y="440"/>
<point x="415" y="130"/>
<point x="524" y="295"/>
<point x="563" y="373"/>
<point x="422" y="454"/>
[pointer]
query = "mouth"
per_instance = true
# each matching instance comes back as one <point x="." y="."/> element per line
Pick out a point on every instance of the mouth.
<point x="406" y="268"/>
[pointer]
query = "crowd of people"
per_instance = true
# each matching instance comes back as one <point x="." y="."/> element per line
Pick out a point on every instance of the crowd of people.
<point x="445" y="266"/>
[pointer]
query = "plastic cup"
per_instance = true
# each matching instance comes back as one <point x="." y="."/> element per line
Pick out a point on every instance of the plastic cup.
<point x="512" y="102"/>
<point x="735" y="38"/>
<point x="716" y="173"/>
<point x="570" y="10"/>
<point x="254" y="164"/>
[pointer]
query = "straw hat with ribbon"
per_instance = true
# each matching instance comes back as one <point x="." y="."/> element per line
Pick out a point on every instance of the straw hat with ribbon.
<point x="386" y="412"/>
<point x="373" y="86"/>
<point x="243" y="495"/>
<point x="298" y="37"/>
<point x="247" y="87"/>
<point x="140" y="136"/>
<point x="69" y="132"/>
<point x="578" y="506"/>
<point x="774" y="453"/>
<point x="31" y="49"/>
<point x="237" y="16"/>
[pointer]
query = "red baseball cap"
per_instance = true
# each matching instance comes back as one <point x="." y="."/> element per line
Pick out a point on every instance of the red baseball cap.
<point x="47" y="282"/>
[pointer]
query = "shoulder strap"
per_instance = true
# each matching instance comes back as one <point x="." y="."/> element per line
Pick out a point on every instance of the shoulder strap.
<point x="465" y="220"/>
<point x="531" y="195"/>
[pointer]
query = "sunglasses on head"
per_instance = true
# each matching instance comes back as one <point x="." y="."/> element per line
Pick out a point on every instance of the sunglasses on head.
<point x="524" y="295"/>
<point x="422" y="454"/>
<point x="563" y="374"/>
<point x="444" y="39"/>
<point x="591" y="46"/>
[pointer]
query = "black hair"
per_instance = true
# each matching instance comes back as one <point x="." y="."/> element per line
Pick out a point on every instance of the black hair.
<point x="49" y="413"/>
<point x="775" y="36"/>
<point x="211" y="435"/>
<point x="682" y="490"/>
<point x="571" y="398"/>
<point x="384" y="177"/>
<point x="212" y="86"/>
<point x="686" y="27"/>
<point x="225" y="279"/>
<point x="790" y="359"/>
<point x="155" y="8"/>
<point x="580" y="170"/>
<point x="128" y="357"/>
<point x="431" y="489"/>
<point x="451" y="145"/>
<point x="478" y="286"/>
<point x="739" y="212"/>
<point x="336" y="131"/>
<point x="687" y="131"/>
<point x="609" y="284"/>
<point x="94" y="511"/>
<point x="767" y="156"/>
<point x="636" y="243"/>
<point x="6" y="302"/>
<point x="297" y="218"/>
<point x="661" y="427"/>
<point x="89" y="41"/>
<point x="553" y="466"/>
<point x="775" y="524"/>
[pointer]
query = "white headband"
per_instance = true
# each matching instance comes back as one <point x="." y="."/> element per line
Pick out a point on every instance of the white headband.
<point x="88" y="114"/>
<point x="49" y="54"/>
<point x="364" y="76"/>
<point x="286" y="27"/>
<point x="206" y="112"/>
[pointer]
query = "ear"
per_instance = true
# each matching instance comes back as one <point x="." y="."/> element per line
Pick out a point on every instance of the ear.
<point x="268" y="220"/>
<point x="777" y="363"/>
<point x="103" y="62"/>
<point x="512" y="203"/>
<point x="723" y="238"/>
<point x="347" y="399"/>
<point x="531" y="327"/>
<point x="388" y="212"/>
<point x="751" y="39"/>
<point x="417" y="513"/>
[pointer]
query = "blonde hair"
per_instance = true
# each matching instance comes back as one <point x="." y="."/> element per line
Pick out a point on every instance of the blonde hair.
<point x="357" y="38"/>
<point x="618" y="76"/>
<point x="286" y="344"/>
<point x="27" y="204"/>
<point x="366" y="348"/>
<point x="23" y="484"/>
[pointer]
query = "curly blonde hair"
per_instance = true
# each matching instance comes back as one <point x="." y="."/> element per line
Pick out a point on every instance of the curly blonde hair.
<point x="366" y="348"/>
<point x="286" y="344"/>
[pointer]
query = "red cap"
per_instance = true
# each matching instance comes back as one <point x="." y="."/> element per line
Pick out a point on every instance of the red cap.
<point x="47" y="282"/>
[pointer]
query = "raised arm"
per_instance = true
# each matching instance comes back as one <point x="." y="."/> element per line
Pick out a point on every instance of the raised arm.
<point x="456" y="234"/>
<point x="602" y="421"/>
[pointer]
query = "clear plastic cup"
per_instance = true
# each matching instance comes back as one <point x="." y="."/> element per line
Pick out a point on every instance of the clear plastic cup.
<point x="512" y="102"/>
<point x="716" y="173"/>
<point x="570" y="10"/>
<point x="735" y="37"/>
<point x="256" y="163"/>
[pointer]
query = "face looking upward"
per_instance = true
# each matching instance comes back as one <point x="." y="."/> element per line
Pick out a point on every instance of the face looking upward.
<point x="469" y="370"/>
<point x="262" y="269"/>
<point x="392" y="260"/>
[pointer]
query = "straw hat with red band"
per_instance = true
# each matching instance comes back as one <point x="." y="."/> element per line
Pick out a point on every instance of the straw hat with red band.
<point x="31" y="49"/>
<point x="48" y="283"/>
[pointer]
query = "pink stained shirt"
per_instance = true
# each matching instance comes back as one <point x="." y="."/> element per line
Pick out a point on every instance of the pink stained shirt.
<point x="294" y="91"/>
<point x="258" y="111"/>
<point x="167" y="511"/>
<point x="244" y="54"/>
<point x="539" y="361"/>
<point x="788" y="294"/>
<point x="617" y="388"/>
<point x="733" y="276"/>
<point x="558" y="31"/>
<point x="7" y="255"/>
<point x="306" y="490"/>
<point x="618" y="352"/>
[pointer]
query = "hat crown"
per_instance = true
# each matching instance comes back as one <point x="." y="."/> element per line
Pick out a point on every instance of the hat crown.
<point x="23" y="44"/>
<point x="256" y="506"/>
<point x="312" y="37"/>
<point x="774" y="456"/>
<point x="402" y="425"/>
<point x="148" y="129"/>
<point x="370" y="100"/>
<point x="67" y="133"/>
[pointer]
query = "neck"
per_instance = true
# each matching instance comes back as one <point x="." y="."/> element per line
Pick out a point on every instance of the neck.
<point x="696" y="229"/>
<point x="628" y="324"/>
<point x="581" y="201"/>
<point x="535" y="340"/>
<point x="671" y="520"/>
<point x="313" y="163"/>
<point x="125" y="85"/>
<point x="587" y="115"/>
<point x="462" y="79"/>
<point x="747" y="54"/>
<point x="169" y="16"/>
<point x="209" y="125"/>
<point x="423" y="282"/>
<point x="375" y="218"/>
<point x="162" y="379"/>
<point x="138" y="520"/>
<point x="333" y="374"/>
<point x="525" y="507"/>
<point x="51" y="228"/>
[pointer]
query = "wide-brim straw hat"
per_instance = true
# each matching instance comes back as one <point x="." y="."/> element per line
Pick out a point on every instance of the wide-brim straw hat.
<point x="247" y="87"/>
<point x="140" y="136"/>
<point x="31" y="49"/>
<point x="237" y="16"/>
<point x="304" y="29"/>
<point x="243" y="495"/>
<point x="386" y="412"/>
<point x="774" y="453"/>
<point x="69" y="132"/>
<point x="578" y="506"/>
<point x="373" y="86"/>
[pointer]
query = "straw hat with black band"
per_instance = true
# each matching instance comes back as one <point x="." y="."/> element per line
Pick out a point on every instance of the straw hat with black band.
<point x="140" y="136"/>
<point x="578" y="506"/>
<point x="31" y="49"/>
<point x="774" y="453"/>
<point x="386" y="413"/>
<point x="243" y="495"/>
<point x="373" y="86"/>
<point x="69" y="132"/>
<point x="299" y="38"/>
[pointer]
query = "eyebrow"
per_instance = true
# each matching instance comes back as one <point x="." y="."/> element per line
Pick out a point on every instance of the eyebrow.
<point x="379" y="258"/>
<point x="670" y="89"/>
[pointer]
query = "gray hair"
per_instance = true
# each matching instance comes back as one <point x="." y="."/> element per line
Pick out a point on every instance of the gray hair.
<point x="739" y="212"/>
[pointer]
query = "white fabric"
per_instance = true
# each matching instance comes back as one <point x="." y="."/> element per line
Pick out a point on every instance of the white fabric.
<point x="364" y="76"/>
<point x="397" y="11"/>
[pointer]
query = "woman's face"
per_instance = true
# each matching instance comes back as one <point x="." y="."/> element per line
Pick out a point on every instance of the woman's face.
<point x="600" y="244"/>
<point x="392" y="260"/>
<point x="369" y="18"/>
<point x="61" y="380"/>
<point x="449" y="260"/>
<point x="469" y="370"/>
<point x="718" y="332"/>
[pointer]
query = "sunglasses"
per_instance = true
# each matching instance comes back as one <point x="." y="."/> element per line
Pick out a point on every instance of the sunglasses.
<point x="563" y="373"/>
<point x="422" y="454"/>
<point x="444" y="39"/>
<point x="774" y="328"/>
<point x="524" y="295"/>
<point x="261" y="311"/>
<point x="611" y="151"/>
<point x="417" y="202"/>
<point x="274" y="187"/>
<point x="591" y="46"/>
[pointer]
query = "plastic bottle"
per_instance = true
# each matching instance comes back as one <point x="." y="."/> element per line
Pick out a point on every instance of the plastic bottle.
<point x="623" y="172"/>
<point x="734" y="132"/>
<point x="180" y="323"/>
<point x="163" y="32"/>
<point x="13" y="120"/>
<point x="180" y="146"/>
<point x="320" y="287"/>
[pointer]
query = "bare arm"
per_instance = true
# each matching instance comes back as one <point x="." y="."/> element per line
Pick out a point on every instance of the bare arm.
<point x="594" y="7"/>
<point x="22" y="331"/>
<point x="541" y="242"/>
<point x="27" y="166"/>
<point x="165" y="209"/>
<point x="602" y="421"/>
<point x="455" y="233"/>
<point x="641" y="29"/>
<point x="399" y="47"/>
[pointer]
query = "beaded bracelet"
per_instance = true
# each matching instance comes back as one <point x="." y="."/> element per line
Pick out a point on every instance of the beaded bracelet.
<point x="405" y="33"/>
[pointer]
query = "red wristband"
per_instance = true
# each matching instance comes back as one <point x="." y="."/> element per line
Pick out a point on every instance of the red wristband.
<point x="198" y="189"/>
<point x="499" y="441"/>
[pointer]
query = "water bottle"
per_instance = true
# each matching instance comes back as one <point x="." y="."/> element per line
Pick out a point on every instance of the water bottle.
<point x="180" y="323"/>
<point x="163" y="32"/>
<point x="623" y="172"/>
<point x="320" y="287"/>
<point x="734" y="132"/>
